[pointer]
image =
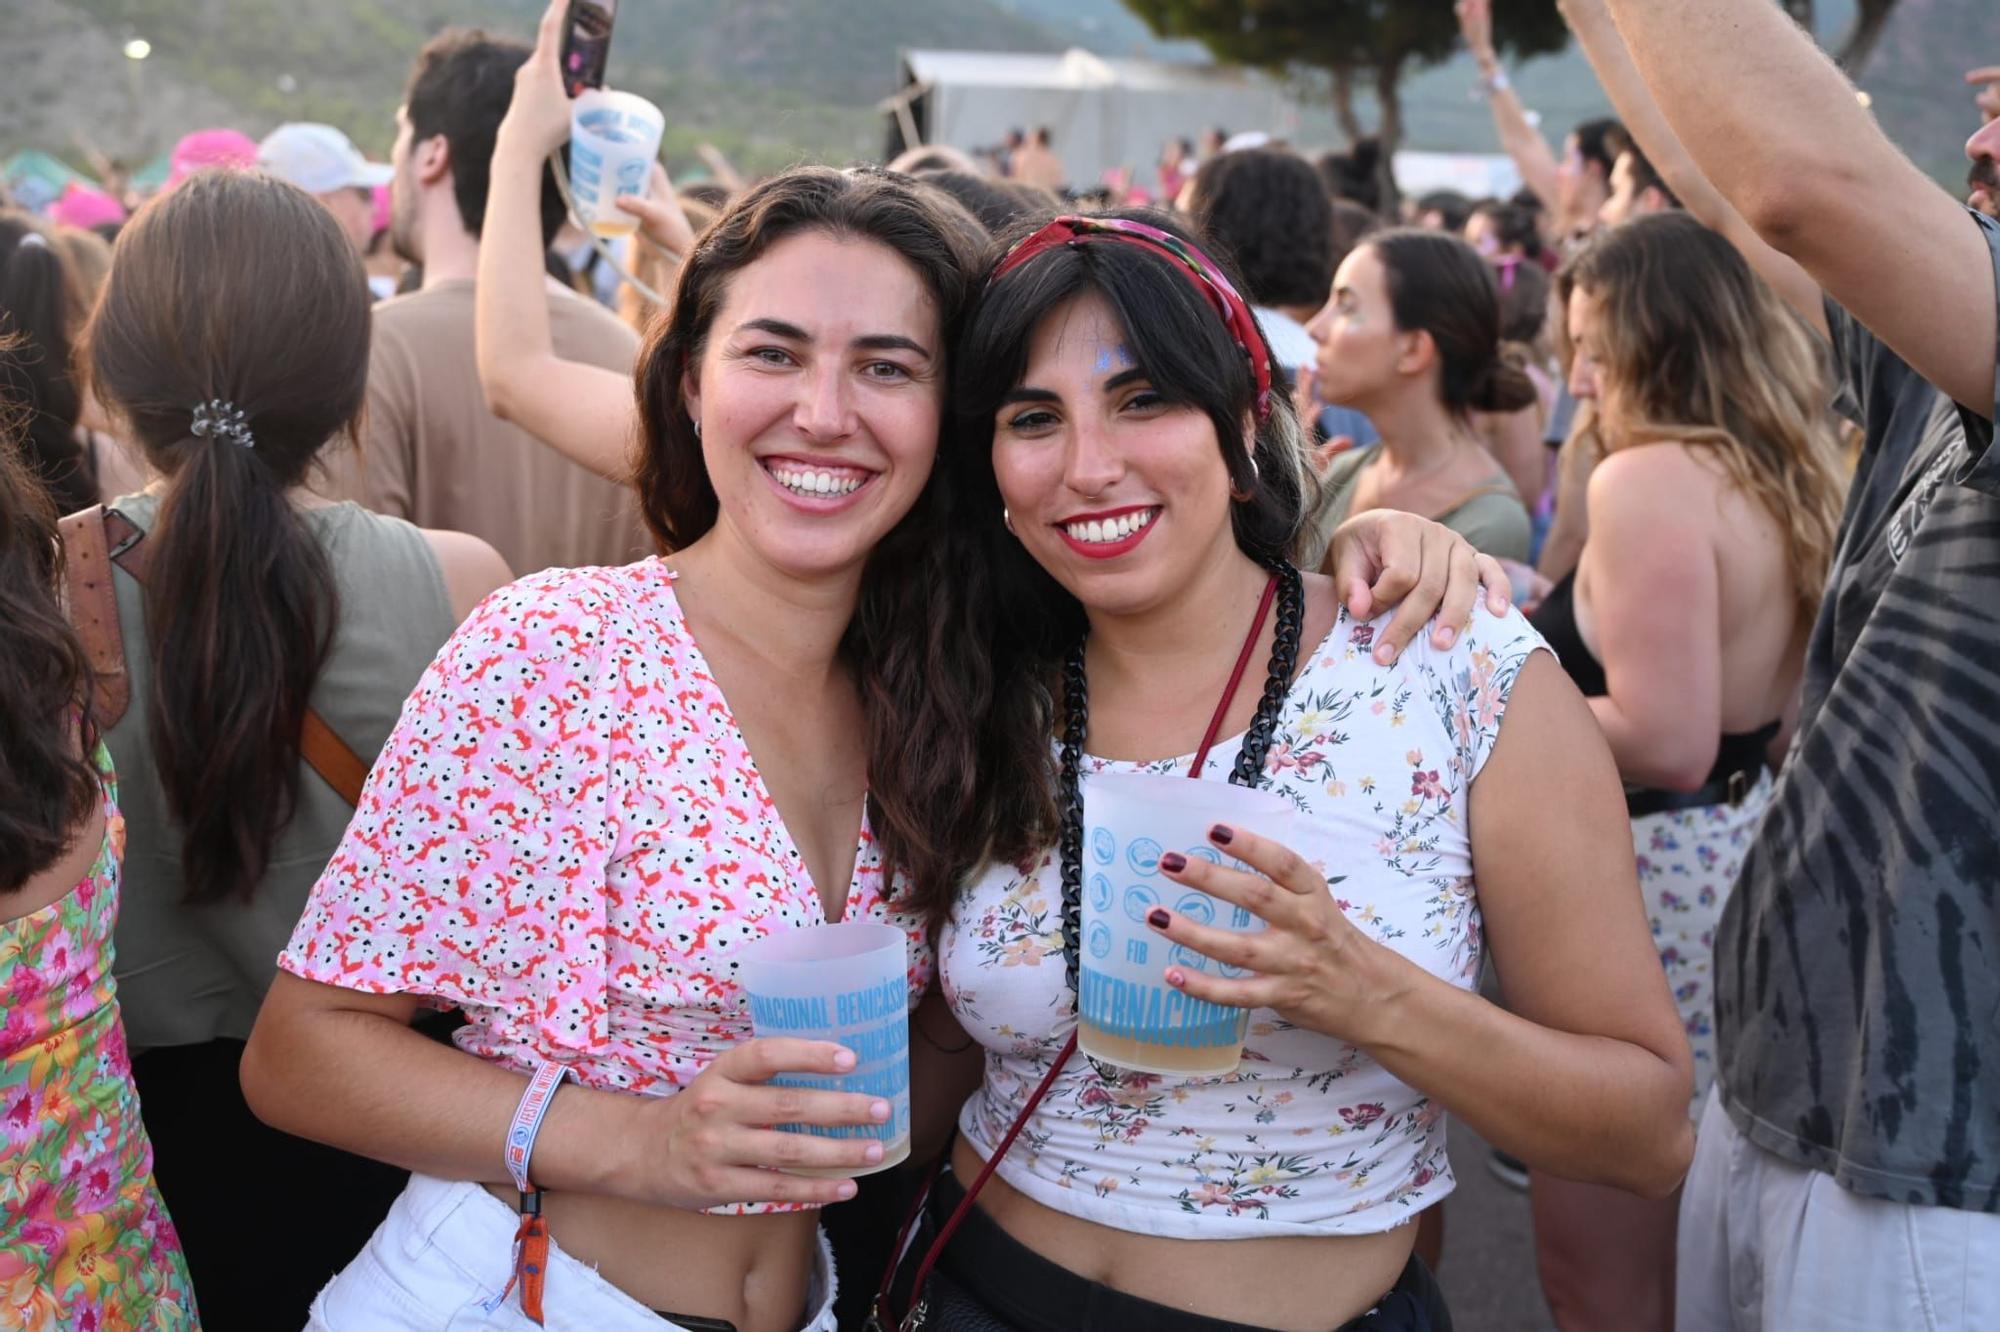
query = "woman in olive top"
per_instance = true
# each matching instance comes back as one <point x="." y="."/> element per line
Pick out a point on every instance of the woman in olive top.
<point x="258" y="602"/>
<point x="1411" y="337"/>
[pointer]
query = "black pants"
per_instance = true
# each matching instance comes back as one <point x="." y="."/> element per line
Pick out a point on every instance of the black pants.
<point x="265" y="1219"/>
<point x="993" y="1281"/>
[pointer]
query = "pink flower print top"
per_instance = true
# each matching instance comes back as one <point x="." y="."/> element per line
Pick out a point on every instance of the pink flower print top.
<point x="1309" y="1136"/>
<point x="566" y="838"/>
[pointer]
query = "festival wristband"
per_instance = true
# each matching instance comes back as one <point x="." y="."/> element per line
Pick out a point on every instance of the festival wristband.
<point x="528" y="1121"/>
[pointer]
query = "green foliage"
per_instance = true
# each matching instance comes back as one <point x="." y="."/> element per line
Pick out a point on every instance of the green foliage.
<point x="1355" y="35"/>
<point x="1353" y="40"/>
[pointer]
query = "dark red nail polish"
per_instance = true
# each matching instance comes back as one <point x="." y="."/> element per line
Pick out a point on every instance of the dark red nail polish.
<point x="1173" y="862"/>
<point x="1158" y="917"/>
<point x="1221" y="834"/>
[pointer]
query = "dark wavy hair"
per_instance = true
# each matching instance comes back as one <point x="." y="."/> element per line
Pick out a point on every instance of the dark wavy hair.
<point x="1354" y="176"/>
<point x="1271" y="212"/>
<point x="1191" y="359"/>
<point x="1439" y="285"/>
<point x="47" y="784"/>
<point x="941" y="798"/>
<point x="241" y="287"/>
<point x="41" y="303"/>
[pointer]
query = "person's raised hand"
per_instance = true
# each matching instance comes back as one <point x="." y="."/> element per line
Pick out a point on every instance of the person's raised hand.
<point x="713" y="1141"/>
<point x="1475" y="22"/>
<point x="1387" y="558"/>
<point x="1310" y="963"/>
<point x="537" y="119"/>
<point x="660" y="215"/>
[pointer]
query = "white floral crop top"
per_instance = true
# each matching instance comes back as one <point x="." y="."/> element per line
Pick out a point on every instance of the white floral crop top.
<point x="1310" y="1136"/>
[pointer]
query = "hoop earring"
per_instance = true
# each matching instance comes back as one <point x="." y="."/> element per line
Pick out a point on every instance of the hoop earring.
<point x="1006" y="519"/>
<point x="697" y="429"/>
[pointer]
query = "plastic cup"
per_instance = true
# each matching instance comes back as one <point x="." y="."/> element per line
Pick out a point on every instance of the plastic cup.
<point x="846" y="983"/>
<point x="614" y="138"/>
<point x="1127" y="1014"/>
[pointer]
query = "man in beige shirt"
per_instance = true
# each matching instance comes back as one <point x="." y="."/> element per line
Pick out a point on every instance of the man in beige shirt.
<point x="430" y="450"/>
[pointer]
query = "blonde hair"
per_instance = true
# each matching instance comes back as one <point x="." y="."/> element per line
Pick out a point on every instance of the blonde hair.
<point x="1696" y="349"/>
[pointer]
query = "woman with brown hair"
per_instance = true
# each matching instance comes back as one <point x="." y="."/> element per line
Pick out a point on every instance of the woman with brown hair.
<point x="1411" y="337"/>
<point x="86" y="1242"/>
<point x="611" y="780"/>
<point x="1711" y="521"/>
<point x="231" y="342"/>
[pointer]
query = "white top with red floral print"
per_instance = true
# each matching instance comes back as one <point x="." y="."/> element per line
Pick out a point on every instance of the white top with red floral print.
<point x="1310" y="1136"/>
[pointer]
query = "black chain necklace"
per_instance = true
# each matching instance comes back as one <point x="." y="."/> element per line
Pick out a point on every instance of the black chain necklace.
<point x="1249" y="762"/>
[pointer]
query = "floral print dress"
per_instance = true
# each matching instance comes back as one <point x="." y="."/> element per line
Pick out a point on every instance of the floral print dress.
<point x="1309" y="1136"/>
<point x="85" y="1243"/>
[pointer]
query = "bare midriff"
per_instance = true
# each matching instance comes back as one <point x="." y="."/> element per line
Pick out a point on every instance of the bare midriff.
<point x="752" y="1271"/>
<point x="1295" y="1283"/>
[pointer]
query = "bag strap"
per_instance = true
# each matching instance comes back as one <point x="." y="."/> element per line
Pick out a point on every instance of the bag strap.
<point x="93" y="612"/>
<point x="958" y="1214"/>
<point x="96" y="538"/>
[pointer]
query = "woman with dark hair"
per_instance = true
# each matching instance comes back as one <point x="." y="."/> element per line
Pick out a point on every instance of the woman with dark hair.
<point x="86" y="1241"/>
<point x="611" y="780"/>
<point x="1412" y="339"/>
<point x="249" y="616"/>
<point x="1711" y="524"/>
<point x="1140" y="489"/>
<point x="41" y="305"/>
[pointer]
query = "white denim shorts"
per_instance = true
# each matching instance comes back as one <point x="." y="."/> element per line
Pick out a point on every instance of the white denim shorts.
<point x="1769" y="1246"/>
<point x="445" y="1252"/>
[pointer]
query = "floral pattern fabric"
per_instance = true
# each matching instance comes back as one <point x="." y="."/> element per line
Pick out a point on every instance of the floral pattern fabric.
<point x="1688" y="860"/>
<point x="85" y="1243"/>
<point x="1309" y="1135"/>
<point x="567" y="838"/>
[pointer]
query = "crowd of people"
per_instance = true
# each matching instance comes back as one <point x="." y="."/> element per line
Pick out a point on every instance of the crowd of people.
<point x="430" y="661"/>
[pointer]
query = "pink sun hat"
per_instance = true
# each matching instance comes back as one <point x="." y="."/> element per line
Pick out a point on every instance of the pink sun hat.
<point x="210" y="148"/>
<point x="85" y="207"/>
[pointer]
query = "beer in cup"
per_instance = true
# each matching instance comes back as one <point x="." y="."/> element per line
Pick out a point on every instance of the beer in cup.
<point x="1127" y="1014"/>
<point x="613" y="139"/>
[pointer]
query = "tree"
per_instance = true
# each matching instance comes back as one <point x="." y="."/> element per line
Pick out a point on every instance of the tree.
<point x="1358" y="43"/>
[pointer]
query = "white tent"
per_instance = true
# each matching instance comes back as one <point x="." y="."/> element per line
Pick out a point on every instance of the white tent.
<point x="1101" y="113"/>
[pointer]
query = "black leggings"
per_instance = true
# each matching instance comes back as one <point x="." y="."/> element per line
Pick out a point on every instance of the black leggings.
<point x="992" y="1280"/>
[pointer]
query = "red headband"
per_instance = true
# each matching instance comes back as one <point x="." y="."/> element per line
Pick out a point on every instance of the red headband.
<point x="1184" y="256"/>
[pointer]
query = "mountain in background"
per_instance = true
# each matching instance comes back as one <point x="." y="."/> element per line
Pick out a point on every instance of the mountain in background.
<point x="769" y="81"/>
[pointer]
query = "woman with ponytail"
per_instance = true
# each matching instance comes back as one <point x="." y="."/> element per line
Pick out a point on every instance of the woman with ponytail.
<point x="232" y="340"/>
<point x="1412" y="338"/>
<point x="40" y="301"/>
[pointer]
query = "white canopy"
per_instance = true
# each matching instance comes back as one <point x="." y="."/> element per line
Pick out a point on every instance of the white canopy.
<point x="1101" y="112"/>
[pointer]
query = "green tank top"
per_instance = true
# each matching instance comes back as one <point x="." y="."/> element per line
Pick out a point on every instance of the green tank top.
<point x="196" y="973"/>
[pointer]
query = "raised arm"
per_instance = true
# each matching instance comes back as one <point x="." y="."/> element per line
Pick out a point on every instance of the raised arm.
<point x="1518" y="135"/>
<point x="1599" y="38"/>
<point x="1779" y="131"/>
<point x="584" y="411"/>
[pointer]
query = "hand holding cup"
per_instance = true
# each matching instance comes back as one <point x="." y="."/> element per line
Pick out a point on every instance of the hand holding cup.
<point x="1310" y="963"/>
<point x="713" y="1142"/>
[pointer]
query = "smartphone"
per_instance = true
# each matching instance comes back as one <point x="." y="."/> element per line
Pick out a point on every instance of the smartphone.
<point x="586" y="43"/>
